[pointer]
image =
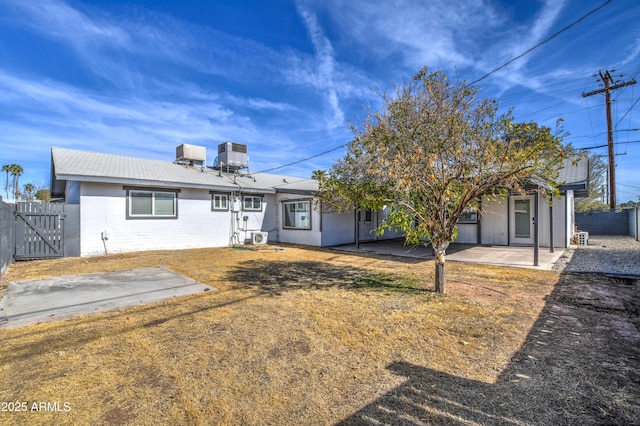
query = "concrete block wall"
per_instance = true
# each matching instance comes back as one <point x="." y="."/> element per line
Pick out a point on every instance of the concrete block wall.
<point x="604" y="223"/>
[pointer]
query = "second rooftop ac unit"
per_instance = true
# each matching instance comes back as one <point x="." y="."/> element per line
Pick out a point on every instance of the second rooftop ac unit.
<point x="232" y="156"/>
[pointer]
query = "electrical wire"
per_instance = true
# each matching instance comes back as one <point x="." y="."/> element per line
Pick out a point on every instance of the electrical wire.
<point x="629" y="110"/>
<point x="476" y="81"/>
<point x="628" y="186"/>
<point x="541" y="43"/>
<point x="615" y="143"/>
<point x="302" y="160"/>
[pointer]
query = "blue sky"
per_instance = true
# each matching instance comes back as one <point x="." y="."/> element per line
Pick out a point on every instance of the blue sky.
<point x="286" y="77"/>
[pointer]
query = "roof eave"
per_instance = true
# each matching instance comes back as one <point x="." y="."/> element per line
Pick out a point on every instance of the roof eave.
<point x="145" y="182"/>
<point x="296" y="191"/>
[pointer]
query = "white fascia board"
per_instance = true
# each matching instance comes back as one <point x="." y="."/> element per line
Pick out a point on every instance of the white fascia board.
<point x="141" y="182"/>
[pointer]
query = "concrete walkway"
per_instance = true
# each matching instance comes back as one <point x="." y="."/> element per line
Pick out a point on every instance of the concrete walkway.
<point x="36" y="301"/>
<point x="495" y="255"/>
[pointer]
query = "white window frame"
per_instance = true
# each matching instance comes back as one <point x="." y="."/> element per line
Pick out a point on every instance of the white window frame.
<point x="251" y="205"/>
<point x="153" y="215"/>
<point x="296" y="203"/>
<point x="220" y="197"/>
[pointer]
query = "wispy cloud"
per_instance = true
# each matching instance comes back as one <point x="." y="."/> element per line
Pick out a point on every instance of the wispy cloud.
<point x="412" y="34"/>
<point x="323" y="76"/>
<point x="58" y="21"/>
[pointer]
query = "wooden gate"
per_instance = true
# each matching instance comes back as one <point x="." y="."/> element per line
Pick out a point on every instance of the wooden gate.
<point x="39" y="230"/>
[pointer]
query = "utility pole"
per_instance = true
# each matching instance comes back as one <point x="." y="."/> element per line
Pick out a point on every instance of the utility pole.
<point x="608" y="87"/>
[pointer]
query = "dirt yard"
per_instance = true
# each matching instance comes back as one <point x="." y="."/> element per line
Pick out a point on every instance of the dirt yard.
<point x="309" y="336"/>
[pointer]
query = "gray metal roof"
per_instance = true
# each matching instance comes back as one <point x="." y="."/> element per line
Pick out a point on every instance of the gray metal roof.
<point x="575" y="175"/>
<point x="88" y="166"/>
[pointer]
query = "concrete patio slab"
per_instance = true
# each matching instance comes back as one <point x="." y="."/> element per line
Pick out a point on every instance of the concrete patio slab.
<point x="36" y="301"/>
<point x="515" y="256"/>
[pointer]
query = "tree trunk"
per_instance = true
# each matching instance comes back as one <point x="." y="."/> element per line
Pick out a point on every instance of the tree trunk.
<point x="439" y="250"/>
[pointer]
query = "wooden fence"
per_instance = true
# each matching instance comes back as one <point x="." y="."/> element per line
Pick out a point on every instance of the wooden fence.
<point x="39" y="230"/>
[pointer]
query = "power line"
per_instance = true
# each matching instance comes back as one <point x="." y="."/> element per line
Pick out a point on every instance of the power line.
<point x="302" y="160"/>
<point x="606" y="145"/>
<point x="629" y="110"/>
<point x="629" y="186"/>
<point x="601" y="133"/>
<point x="472" y="83"/>
<point x="540" y="44"/>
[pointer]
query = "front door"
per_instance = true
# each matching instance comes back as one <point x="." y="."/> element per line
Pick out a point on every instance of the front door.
<point x="367" y="225"/>
<point x="521" y="221"/>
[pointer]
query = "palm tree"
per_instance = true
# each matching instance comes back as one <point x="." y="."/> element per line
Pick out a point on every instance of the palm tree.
<point x="6" y="168"/>
<point x="16" y="171"/>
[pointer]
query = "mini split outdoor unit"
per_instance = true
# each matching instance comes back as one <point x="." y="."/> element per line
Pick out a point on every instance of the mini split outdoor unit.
<point x="259" y="237"/>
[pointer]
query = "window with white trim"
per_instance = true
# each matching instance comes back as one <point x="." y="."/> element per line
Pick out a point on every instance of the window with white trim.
<point x="220" y="202"/>
<point x="297" y="214"/>
<point x="158" y="204"/>
<point x="250" y="202"/>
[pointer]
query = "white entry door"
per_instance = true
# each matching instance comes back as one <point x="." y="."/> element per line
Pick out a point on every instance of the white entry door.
<point x="522" y="220"/>
<point x="367" y="225"/>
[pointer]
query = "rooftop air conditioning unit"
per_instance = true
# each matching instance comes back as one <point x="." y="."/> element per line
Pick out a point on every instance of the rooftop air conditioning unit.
<point x="192" y="154"/>
<point x="232" y="156"/>
<point x="259" y="237"/>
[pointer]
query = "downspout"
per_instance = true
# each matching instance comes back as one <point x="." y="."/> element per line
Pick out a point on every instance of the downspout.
<point x="479" y="225"/>
<point x="508" y="220"/>
<point x="357" y="219"/>
<point x="567" y="236"/>
<point x="536" y="224"/>
<point x="551" y="249"/>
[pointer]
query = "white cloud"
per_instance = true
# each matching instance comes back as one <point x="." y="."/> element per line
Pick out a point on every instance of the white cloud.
<point x="323" y="76"/>
<point x="417" y="33"/>
<point x="56" y="20"/>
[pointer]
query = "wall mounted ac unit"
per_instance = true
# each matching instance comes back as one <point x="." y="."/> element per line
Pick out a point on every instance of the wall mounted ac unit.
<point x="259" y="237"/>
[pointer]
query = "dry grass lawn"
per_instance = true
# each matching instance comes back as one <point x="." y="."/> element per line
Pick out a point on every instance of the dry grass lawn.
<point x="293" y="336"/>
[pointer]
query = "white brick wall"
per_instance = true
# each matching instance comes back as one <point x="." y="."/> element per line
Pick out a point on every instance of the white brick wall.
<point x="103" y="208"/>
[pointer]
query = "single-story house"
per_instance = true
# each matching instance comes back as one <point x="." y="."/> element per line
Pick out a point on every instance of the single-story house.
<point x="126" y="204"/>
<point x="131" y="204"/>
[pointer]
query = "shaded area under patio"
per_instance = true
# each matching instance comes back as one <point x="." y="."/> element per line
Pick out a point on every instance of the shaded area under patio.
<point x="518" y="256"/>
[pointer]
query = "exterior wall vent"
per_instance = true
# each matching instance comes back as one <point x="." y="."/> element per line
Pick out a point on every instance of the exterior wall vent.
<point x="194" y="155"/>
<point x="232" y="156"/>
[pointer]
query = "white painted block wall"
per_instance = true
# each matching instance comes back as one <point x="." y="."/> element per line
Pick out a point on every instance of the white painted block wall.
<point x="467" y="233"/>
<point x="338" y="228"/>
<point x="103" y="209"/>
<point x="494" y="227"/>
<point x="559" y="223"/>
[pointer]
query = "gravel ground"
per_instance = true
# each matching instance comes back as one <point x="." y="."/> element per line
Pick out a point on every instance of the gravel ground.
<point x="607" y="254"/>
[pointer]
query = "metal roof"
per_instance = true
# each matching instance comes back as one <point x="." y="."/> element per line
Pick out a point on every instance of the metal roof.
<point x="89" y="166"/>
<point x="575" y="175"/>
